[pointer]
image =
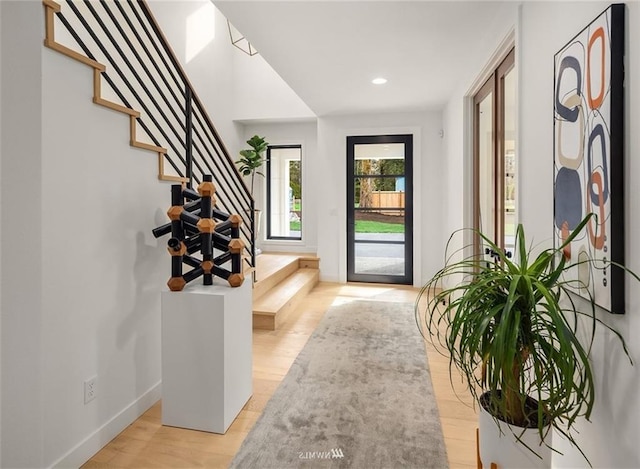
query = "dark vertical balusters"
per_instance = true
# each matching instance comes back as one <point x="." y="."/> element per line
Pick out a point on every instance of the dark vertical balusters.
<point x="189" y="140"/>
<point x="176" y="246"/>
<point x="207" y="225"/>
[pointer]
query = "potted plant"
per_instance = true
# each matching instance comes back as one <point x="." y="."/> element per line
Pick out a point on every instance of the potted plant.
<point x="510" y="326"/>
<point x="252" y="158"/>
<point x="250" y="161"/>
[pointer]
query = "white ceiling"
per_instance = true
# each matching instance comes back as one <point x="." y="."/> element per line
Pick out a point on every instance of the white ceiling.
<point x="329" y="51"/>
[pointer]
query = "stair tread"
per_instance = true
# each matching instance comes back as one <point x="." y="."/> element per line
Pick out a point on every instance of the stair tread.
<point x="268" y="265"/>
<point x="276" y="298"/>
<point x="271" y="270"/>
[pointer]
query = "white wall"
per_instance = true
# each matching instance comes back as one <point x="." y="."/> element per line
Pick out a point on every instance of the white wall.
<point x="291" y="133"/>
<point x="260" y="93"/>
<point x="329" y="181"/>
<point x="102" y="270"/>
<point x="458" y="183"/>
<point x="611" y="440"/>
<point x="198" y="35"/>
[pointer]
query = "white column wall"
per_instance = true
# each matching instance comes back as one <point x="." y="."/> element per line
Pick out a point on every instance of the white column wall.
<point x="1" y="231"/>
<point x="22" y="311"/>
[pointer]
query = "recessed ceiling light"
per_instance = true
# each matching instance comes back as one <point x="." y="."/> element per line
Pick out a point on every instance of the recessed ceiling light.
<point x="379" y="81"/>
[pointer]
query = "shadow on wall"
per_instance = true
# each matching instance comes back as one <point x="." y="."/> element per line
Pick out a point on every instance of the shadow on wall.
<point x="135" y="323"/>
<point x="622" y="383"/>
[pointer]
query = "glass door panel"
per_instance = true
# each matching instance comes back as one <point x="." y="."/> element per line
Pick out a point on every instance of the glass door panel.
<point x="376" y="225"/>
<point x="509" y="156"/>
<point x="486" y="193"/>
<point x="376" y="259"/>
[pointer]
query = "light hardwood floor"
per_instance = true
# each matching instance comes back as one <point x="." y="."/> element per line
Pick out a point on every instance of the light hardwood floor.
<point x="148" y="444"/>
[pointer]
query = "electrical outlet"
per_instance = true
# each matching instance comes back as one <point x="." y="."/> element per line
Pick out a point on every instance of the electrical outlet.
<point x="90" y="389"/>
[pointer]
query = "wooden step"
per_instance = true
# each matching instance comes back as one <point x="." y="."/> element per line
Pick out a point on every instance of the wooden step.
<point x="309" y="262"/>
<point x="271" y="309"/>
<point x="271" y="270"/>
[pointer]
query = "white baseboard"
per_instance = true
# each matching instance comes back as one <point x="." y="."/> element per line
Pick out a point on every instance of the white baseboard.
<point x="330" y="278"/>
<point x="83" y="451"/>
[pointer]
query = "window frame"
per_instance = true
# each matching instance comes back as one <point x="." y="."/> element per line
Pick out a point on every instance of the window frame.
<point x="269" y="236"/>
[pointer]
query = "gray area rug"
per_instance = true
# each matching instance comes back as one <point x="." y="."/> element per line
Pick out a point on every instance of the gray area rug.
<point x="357" y="396"/>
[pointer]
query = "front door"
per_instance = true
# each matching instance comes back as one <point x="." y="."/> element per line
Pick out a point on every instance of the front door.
<point x="380" y="209"/>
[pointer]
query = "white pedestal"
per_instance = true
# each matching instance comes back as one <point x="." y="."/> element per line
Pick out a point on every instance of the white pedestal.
<point x="206" y="355"/>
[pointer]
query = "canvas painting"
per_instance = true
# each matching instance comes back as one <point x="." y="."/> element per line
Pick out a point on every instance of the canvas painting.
<point x="588" y="163"/>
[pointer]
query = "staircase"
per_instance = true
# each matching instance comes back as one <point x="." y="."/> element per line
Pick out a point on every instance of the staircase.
<point x="136" y="73"/>
<point x="282" y="280"/>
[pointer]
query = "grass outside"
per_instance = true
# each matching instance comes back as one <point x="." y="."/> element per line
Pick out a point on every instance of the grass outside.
<point x="365" y="226"/>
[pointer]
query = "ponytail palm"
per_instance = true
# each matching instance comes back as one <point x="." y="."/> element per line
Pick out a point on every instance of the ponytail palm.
<point x="511" y="327"/>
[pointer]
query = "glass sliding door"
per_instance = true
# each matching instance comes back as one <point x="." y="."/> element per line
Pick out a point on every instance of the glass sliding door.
<point x="380" y="209"/>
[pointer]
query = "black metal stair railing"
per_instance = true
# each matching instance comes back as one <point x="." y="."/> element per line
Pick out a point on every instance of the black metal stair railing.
<point x="144" y="74"/>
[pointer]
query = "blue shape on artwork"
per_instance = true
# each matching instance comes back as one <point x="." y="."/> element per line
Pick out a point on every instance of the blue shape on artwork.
<point x="569" y="114"/>
<point x="598" y="131"/>
<point x="568" y="198"/>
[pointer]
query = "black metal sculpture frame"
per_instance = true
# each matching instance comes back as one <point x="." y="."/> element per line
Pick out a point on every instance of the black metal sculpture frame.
<point x="193" y="228"/>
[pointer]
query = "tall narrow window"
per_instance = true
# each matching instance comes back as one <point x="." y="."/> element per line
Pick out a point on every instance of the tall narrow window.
<point x="495" y="159"/>
<point x="284" y="192"/>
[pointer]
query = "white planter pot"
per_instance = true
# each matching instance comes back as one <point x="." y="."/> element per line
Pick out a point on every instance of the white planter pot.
<point x="257" y="215"/>
<point x="498" y="444"/>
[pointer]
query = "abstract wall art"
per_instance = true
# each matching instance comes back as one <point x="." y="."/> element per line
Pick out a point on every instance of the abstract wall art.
<point x="588" y="156"/>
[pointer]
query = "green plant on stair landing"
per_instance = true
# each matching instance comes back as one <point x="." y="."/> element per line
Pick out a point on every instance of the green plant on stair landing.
<point x="252" y="159"/>
<point x="511" y="328"/>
